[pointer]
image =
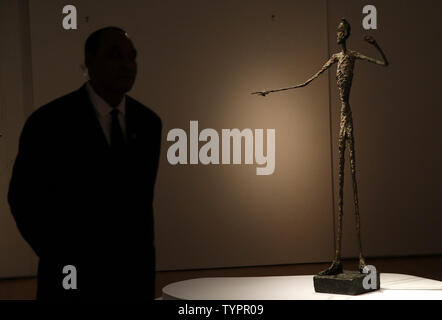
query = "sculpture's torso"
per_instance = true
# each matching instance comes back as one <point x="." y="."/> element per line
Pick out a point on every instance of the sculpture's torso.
<point x="344" y="77"/>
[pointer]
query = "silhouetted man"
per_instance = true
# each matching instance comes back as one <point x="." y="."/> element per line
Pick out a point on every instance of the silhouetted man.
<point x="82" y="185"/>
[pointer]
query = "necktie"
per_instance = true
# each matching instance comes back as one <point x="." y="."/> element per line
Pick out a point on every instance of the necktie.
<point x="117" y="139"/>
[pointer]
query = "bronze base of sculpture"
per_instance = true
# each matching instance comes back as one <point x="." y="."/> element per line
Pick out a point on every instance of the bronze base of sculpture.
<point x="347" y="282"/>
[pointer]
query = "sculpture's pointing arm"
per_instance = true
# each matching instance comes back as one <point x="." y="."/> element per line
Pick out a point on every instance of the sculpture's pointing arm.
<point x="326" y="66"/>
<point x="372" y="41"/>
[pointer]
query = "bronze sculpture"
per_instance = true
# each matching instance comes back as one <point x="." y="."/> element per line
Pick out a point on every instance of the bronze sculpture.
<point x="346" y="60"/>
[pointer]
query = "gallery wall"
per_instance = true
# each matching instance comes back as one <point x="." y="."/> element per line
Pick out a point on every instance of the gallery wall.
<point x="16" y="257"/>
<point x="200" y="60"/>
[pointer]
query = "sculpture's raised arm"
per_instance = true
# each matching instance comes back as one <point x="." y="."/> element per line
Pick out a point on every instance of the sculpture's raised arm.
<point x="327" y="65"/>
<point x="373" y="42"/>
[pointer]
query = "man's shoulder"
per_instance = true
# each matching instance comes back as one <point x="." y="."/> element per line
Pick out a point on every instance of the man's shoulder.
<point x="143" y="112"/>
<point x="56" y="108"/>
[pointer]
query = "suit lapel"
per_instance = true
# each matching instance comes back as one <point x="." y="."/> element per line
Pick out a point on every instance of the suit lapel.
<point x="131" y="123"/>
<point x="94" y="131"/>
<point x="92" y="128"/>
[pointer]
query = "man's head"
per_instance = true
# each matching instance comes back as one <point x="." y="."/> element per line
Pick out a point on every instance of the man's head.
<point x="110" y="57"/>
<point x="344" y="30"/>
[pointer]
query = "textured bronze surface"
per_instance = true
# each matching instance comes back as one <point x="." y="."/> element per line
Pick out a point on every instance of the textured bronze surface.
<point x="344" y="76"/>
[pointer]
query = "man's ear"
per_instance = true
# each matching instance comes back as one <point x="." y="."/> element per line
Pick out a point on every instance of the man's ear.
<point x="84" y="69"/>
<point x="89" y="64"/>
<point x="87" y="61"/>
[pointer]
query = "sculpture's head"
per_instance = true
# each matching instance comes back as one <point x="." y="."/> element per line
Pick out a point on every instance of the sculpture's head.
<point x="344" y="30"/>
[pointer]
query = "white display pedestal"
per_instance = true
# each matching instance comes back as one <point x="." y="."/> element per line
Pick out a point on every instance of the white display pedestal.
<point x="393" y="287"/>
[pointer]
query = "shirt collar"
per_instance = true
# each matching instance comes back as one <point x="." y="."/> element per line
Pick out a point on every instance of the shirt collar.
<point x="100" y="105"/>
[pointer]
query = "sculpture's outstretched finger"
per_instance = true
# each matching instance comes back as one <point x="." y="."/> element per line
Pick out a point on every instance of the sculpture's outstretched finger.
<point x="261" y="93"/>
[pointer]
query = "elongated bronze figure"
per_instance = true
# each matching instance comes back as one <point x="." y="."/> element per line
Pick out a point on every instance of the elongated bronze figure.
<point x="344" y="75"/>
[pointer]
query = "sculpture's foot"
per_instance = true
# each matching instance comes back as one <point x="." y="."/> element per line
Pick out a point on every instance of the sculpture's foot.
<point x="362" y="264"/>
<point x="334" y="269"/>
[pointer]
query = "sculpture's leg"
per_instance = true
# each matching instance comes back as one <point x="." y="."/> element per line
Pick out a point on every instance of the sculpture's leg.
<point x="351" y="146"/>
<point x="336" y="266"/>
<point x="342" y="144"/>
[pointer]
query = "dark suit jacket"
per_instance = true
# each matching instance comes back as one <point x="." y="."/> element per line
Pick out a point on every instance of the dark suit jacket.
<point x="76" y="204"/>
